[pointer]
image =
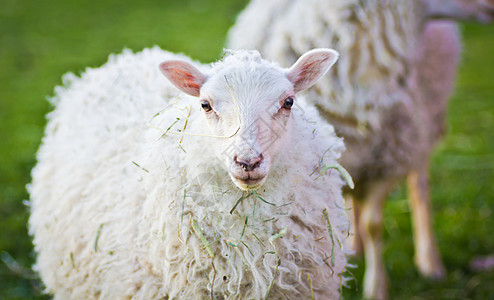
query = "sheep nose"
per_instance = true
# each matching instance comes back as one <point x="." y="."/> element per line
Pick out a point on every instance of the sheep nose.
<point x="248" y="164"/>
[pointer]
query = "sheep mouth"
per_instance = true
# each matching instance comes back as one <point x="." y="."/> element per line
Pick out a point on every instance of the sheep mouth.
<point x="249" y="183"/>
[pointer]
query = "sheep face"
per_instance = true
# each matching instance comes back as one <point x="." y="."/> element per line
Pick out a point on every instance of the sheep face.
<point x="252" y="105"/>
<point x="248" y="101"/>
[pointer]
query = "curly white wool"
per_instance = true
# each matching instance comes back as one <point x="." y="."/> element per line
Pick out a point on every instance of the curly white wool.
<point x="115" y="197"/>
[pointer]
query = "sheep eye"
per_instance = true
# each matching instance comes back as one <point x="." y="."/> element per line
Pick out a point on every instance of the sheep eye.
<point x="288" y="103"/>
<point x="206" y="106"/>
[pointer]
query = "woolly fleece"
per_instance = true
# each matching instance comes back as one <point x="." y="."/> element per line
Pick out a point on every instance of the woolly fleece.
<point x="114" y="197"/>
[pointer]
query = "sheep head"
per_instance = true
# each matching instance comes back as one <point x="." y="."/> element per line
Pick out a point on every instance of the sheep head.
<point x="248" y="101"/>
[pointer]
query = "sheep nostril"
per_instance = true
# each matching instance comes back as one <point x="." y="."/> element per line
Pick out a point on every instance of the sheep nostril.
<point x="257" y="161"/>
<point x="247" y="164"/>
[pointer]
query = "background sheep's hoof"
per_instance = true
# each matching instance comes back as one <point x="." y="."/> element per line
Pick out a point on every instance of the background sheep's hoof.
<point x="431" y="266"/>
<point x="375" y="286"/>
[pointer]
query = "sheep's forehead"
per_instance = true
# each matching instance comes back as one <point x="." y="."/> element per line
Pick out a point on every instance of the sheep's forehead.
<point x="251" y="85"/>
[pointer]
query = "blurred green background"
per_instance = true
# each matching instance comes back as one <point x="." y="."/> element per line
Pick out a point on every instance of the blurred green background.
<point x="41" y="40"/>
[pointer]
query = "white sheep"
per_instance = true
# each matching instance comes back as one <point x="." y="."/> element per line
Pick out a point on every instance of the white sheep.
<point x="139" y="193"/>
<point x="387" y="97"/>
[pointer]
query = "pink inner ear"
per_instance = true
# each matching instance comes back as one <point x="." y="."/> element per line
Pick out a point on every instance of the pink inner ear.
<point x="184" y="76"/>
<point x="188" y="78"/>
<point x="310" y="67"/>
<point x="307" y="72"/>
<point x="305" y="75"/>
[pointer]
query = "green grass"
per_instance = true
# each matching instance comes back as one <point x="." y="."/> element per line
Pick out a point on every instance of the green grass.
<point x="41" y="40"/>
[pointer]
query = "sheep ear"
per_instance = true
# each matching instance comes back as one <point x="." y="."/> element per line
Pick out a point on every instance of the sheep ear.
<point x="310" y="67"/>
<point x="184" y="76"/>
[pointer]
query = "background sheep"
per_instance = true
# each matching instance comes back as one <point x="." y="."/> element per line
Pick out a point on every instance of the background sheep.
<point x="120" y="207"/>
<point x="387" y="97"/>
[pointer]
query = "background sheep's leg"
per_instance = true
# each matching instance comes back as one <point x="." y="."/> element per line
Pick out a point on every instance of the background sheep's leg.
<point x="427" y="257"/>
<point x="354" y="240"/>
<point x="438" y="61"/>
<point x="370" y="227"/>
